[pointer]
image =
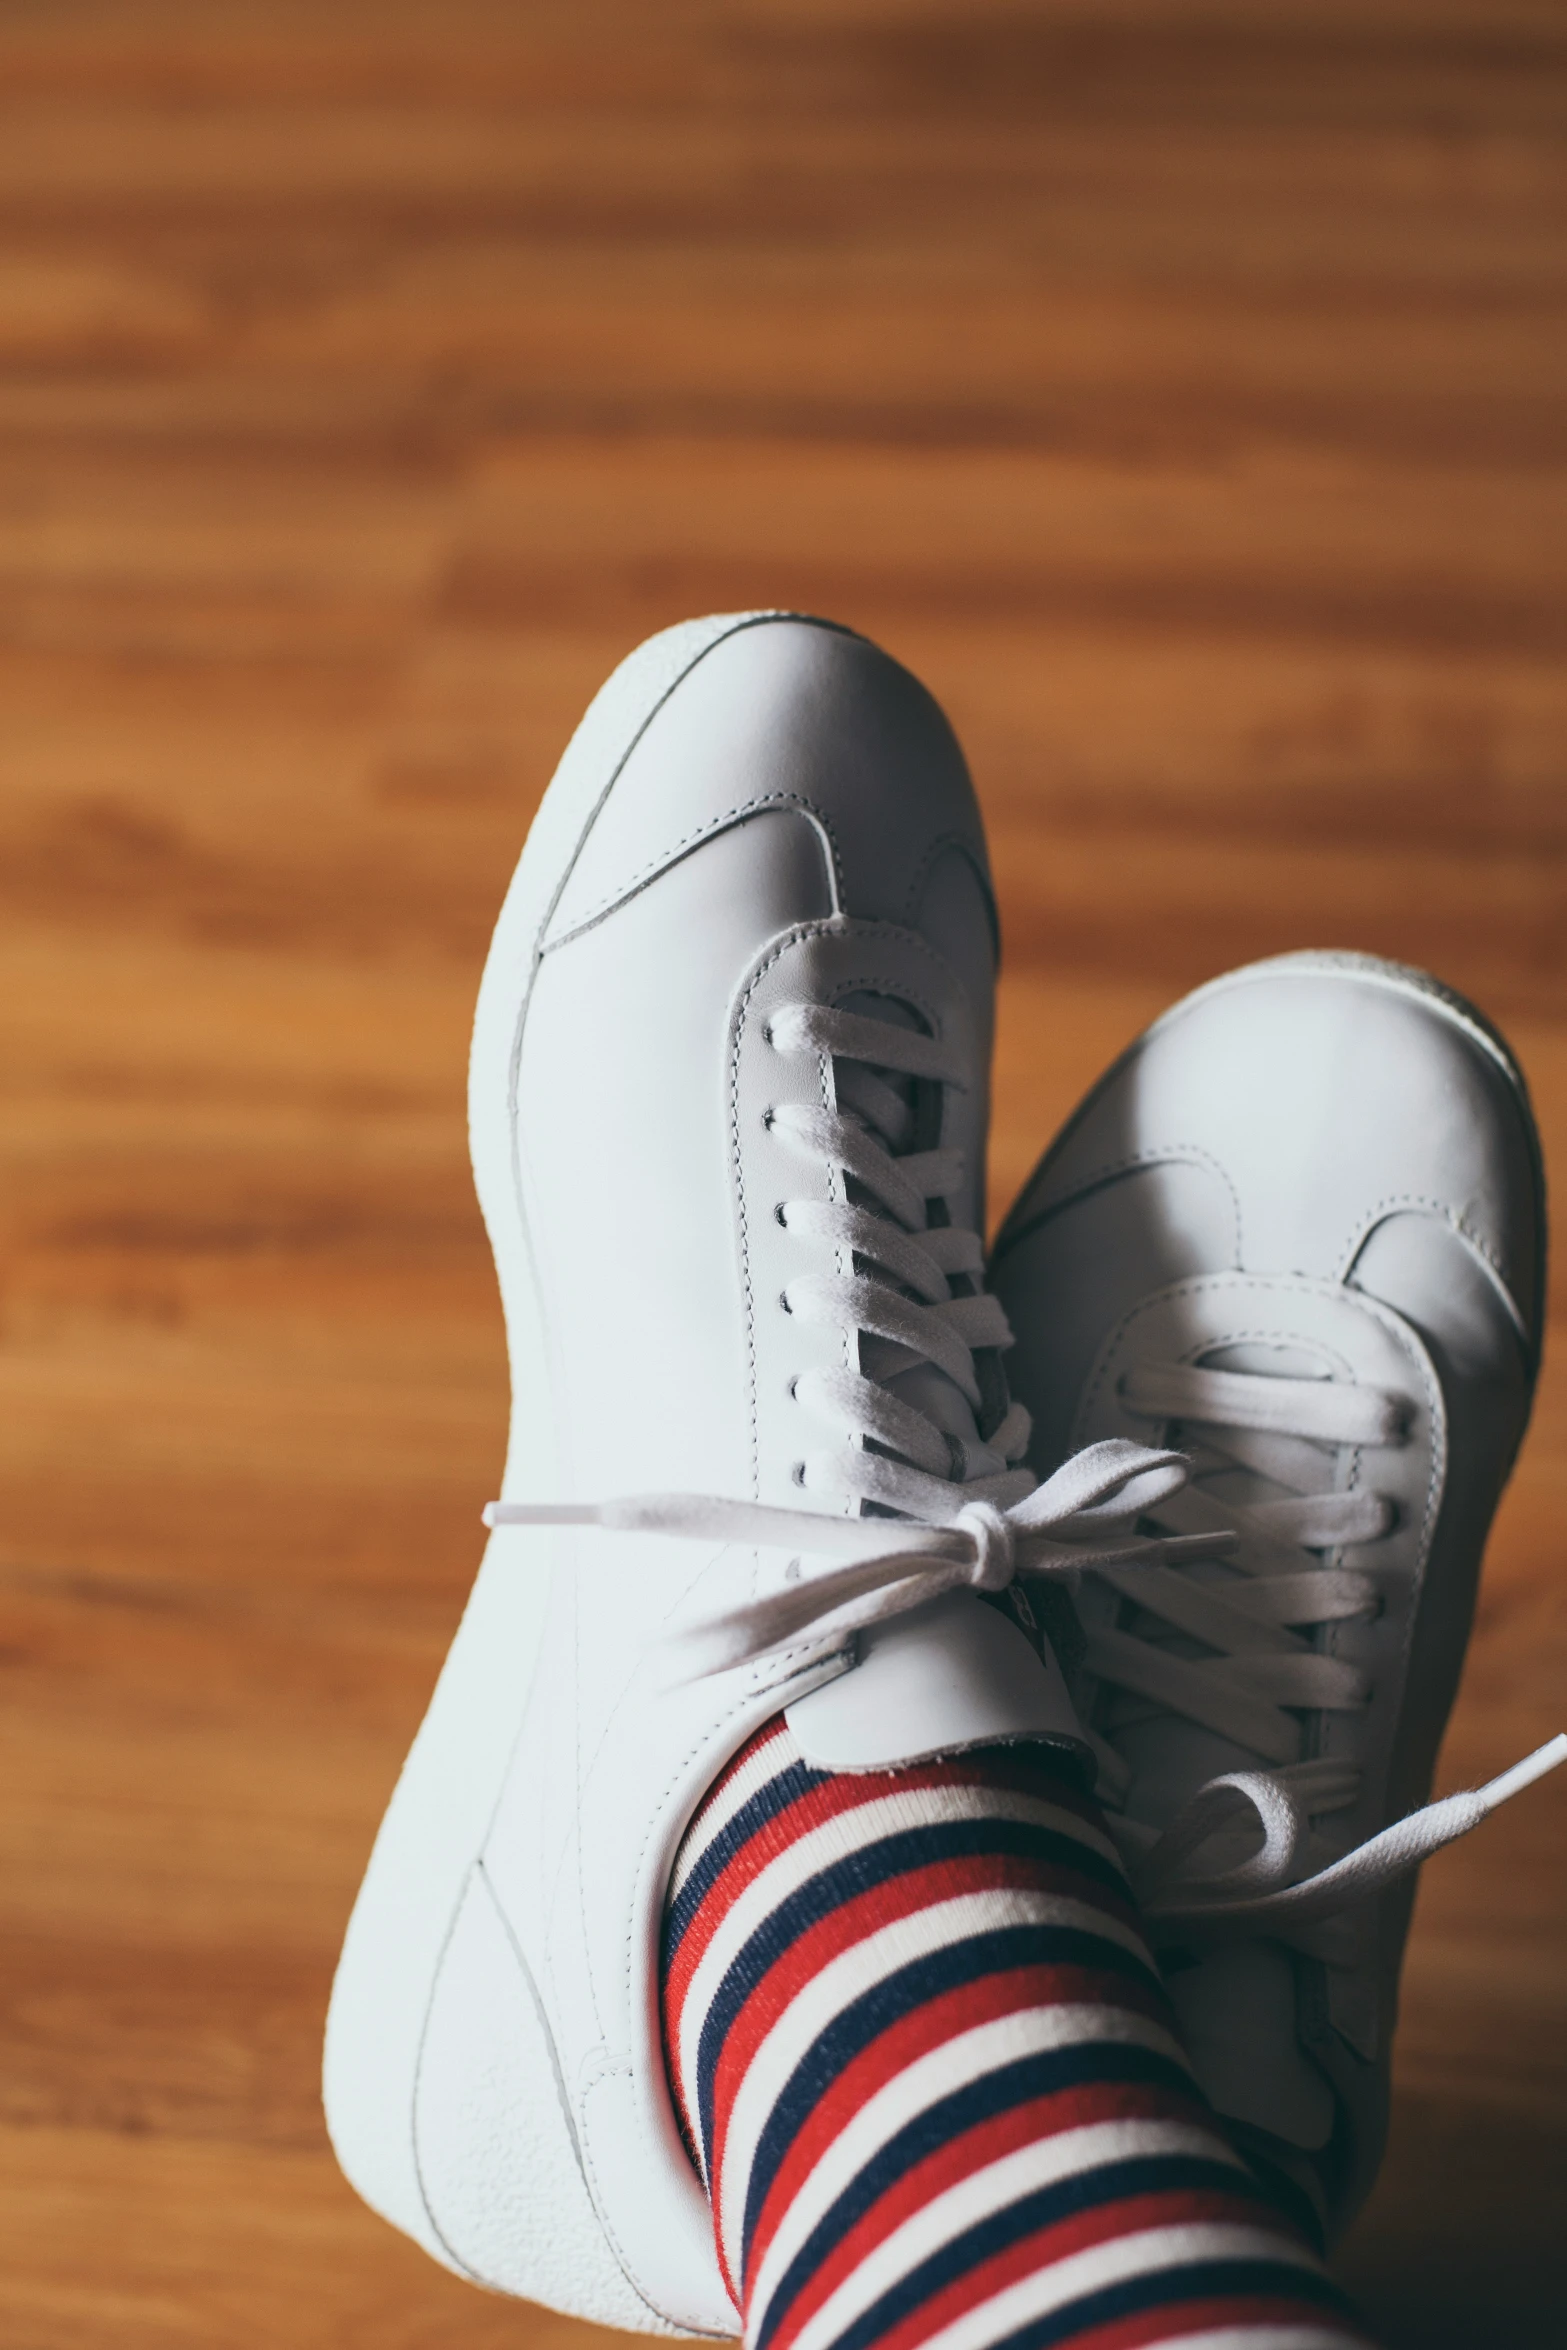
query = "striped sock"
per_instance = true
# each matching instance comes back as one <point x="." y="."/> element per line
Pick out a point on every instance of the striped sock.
<point x="929" y="2073"/>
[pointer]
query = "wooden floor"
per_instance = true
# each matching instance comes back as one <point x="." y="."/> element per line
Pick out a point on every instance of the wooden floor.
<point x="1176" y="384"/>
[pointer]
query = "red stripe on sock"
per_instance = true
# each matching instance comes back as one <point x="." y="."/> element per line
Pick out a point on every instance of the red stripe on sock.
<point x="1175" y="2320"/>
<point x="962" y="2157"/>
<point x="1042" y="2248"/>
<point x="1007" y="1882"/>
<point x="932" y="2025"/>
<point x="815" y="1807"/>
<point x="855" y="1921"/>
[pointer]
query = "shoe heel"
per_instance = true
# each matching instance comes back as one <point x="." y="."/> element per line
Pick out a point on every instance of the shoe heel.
<point x="497" y="2160"/>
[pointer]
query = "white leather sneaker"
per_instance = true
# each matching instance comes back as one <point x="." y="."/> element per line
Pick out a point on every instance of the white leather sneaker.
<point x="728" y="1107"/>
<point x="1299" y="1232"/>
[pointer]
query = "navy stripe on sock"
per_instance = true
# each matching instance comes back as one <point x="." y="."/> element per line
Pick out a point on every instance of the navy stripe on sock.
<point x="923" y="1980"/>
<point x="1115" y="2182"/>
<point x="858" y="1872"/>
<point x="791" y="1783"/>
<point x="1166" y="2288"/>
<point x="1041" y="2075"/>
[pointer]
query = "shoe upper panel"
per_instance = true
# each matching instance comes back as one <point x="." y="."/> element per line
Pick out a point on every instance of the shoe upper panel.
<point x="861" y="964"/>
<point x="1329" y="1100"/>
<point x="1068" y="1275"/>
<point x="1430" y="1276"/>
<point x="624" y="1150"/>
<point x="797" y="714"/>
<point x="954" y="913"/>
<point x="1288" y="1329"/>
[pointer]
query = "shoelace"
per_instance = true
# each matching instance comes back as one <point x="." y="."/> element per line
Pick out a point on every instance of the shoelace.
<point x="969" y="1513"/>
<point x="1056" y="1530"/>
<point x="915" y="1298"/>
<point x="1261" y="1663"/>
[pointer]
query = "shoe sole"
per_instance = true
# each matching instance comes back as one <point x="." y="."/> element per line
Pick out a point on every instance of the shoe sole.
<point x="436" y="1824"/>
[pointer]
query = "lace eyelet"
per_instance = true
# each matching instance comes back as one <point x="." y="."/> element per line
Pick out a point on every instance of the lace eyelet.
<point x="781" y="1214"/>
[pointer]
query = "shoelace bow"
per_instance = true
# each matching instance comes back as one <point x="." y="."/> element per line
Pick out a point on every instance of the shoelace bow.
<point x="1261" y="1663"/>
<point x="970" y="1514"/>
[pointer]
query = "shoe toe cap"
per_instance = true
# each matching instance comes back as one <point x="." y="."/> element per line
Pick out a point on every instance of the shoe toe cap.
<point x="1328" y="1097"/>
<point x="791" y="714"/>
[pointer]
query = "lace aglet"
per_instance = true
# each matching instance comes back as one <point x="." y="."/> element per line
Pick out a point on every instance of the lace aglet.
<point x="1216" y="1545"/>
<point x="539" y="1513"/>
<point x="1143" y="1550"/>
<point x="1538" y="1765"/>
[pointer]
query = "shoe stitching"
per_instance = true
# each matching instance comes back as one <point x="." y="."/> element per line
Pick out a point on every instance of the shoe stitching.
<point x="1436" y="1422"/>
<point x="679" y="651"/>
<point x="926" y="866"/>
<point x="590" y="2169"/>
<point x="834" y="926"/>
<point x="579" y="1871"/>
<point x="418" y="2075"/>
<point x="1156" y="1155"/>
<point x="1434" y="1207"/>
<point x="1273" y="1284"/>
<point x="738" y="1711"/>
<point x="748" y="1286"/>
<point x="674" y="850"/>
<point x="1397" y="978"/>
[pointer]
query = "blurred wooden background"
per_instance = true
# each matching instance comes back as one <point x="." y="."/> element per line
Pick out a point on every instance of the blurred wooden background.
<point x="1176" y="384"/>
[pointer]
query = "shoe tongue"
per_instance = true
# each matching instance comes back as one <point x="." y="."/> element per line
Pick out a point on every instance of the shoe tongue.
<point x="921" y="1385"/>
<point x="1258" y="1465"/>
<point x="852" y="1074"/>
<point x="1171" y="1757"/>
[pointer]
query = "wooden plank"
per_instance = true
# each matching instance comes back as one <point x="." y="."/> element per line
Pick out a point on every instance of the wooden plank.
<point x="1177" y="389"/>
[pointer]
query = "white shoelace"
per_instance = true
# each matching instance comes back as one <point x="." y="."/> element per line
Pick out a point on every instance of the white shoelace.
<point x="969" y="1514"/>
<point x="1261" y="1662"/>
<point x="895" y="1566"/>
<point x="914" y="1296"/>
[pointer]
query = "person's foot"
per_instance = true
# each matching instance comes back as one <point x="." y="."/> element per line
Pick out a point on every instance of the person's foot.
<point x="931" y="2074"/>
<point x="728" y="1108"/>
<point x="1297" y="1231"/>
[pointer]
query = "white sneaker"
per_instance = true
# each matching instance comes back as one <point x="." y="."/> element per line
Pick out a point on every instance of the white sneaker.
<point x="728" y="1108"/>
<point x="1299" y="1231"/>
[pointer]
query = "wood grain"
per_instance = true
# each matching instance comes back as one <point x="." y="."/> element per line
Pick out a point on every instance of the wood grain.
<point x="1178" y="388"/>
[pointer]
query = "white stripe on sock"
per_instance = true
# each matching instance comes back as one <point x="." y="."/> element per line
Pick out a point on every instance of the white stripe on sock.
<point x="967" y="2057"/>
<point x="1042" y="2163"/>
<point x="1115" y="2262"/>
<point x="848" y="1977"/>
<point x="835" y="1840"/>
<point x="776" y="1755"/>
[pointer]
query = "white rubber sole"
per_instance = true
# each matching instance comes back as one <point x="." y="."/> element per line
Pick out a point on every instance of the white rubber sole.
<point x="422" y="1876"/>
